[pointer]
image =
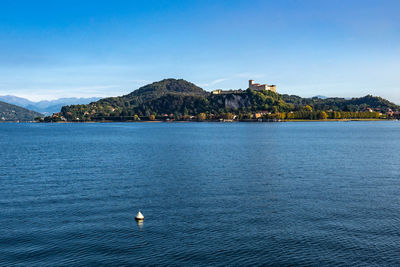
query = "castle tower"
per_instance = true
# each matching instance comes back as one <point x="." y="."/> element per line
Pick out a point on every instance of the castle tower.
<point x="251" y="82"/>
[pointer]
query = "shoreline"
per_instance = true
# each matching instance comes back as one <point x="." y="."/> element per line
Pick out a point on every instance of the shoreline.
<point x="229" y="121"/>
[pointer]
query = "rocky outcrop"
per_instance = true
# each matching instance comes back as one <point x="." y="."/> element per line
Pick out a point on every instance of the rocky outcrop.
<point x="234" y="101"/>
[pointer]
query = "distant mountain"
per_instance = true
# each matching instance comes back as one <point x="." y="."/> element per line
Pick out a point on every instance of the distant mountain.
<point x="320" y="97"/>
<point x="46" y="107"/>
<point x="15" y="100"/>
<point x="9" y="112"/>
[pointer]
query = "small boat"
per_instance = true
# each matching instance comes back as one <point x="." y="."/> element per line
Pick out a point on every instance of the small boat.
<point x="139" y="216"/>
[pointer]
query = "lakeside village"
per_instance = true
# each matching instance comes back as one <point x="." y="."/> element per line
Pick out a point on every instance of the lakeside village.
<point x="260" y="102"/>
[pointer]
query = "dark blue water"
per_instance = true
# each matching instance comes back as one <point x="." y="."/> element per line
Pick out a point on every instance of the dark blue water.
<point x="212" y="194"/>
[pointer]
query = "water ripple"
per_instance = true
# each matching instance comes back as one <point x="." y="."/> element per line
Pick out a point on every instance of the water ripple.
<point x="212" y="194"/>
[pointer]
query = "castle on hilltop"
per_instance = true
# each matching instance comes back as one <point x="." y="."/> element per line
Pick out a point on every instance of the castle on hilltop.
<point x="259" y="87"/>
<point x="252" y="86"/>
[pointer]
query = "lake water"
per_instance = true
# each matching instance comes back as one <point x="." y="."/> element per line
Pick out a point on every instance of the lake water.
<point x="213" y="194"/>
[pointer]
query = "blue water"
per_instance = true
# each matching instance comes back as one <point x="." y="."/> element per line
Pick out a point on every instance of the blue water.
<point x="212" y="194"/>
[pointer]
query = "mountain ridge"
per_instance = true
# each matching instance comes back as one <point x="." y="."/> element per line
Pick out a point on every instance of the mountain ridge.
<point x="46" y="107"/>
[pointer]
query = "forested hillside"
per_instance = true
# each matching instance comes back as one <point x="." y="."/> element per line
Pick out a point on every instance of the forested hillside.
<point x="342" y="104"/>
<point x="10" y="112"/>
<point x="173" y="99"/>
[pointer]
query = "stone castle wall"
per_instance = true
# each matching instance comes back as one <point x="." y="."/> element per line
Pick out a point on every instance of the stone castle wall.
<point x="259" y="87"/>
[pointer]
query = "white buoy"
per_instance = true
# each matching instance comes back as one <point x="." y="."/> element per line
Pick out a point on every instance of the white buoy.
<point x="139" y="216"/>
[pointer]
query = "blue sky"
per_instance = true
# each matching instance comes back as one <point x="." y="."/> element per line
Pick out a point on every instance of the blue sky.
<point x="52" y="49"/>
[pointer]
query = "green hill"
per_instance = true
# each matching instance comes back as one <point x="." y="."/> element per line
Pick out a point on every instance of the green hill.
<point x="10" y="112"/>
<point x="154" y="91"/>
<point x="179" y="99"/>
<point x="141" y="101"/>
<point x="167" y="86"/>
<point x="342" y="104"/>
<point x="172" y="96"/>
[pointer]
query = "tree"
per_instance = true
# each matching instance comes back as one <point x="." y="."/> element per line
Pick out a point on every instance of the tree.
<point x="308" y="108"/>
<point x="152" y="117"/>
<point x="323" y="115"/>
<point x="39" y="119"/>
<point x="201" y="116"/>
<point x="227" y="116"/>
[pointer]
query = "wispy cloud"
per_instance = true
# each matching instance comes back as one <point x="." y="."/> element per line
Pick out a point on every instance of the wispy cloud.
<point x="138" y="81"/>
<point x="218" y="81"/>
<point x="214" y="82"/>
<point x="243" y="75"/>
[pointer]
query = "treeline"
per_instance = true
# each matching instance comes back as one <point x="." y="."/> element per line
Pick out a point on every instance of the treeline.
<point x="324" y="115"/>
<point x="231" y="116"/>
<point x="341" y="104"/>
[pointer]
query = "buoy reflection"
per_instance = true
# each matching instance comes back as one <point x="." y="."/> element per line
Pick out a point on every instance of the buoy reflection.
<point x="140" y="223"/>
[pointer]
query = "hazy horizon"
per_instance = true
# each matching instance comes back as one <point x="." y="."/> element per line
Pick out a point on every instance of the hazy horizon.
<point x="51" y="50"/>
